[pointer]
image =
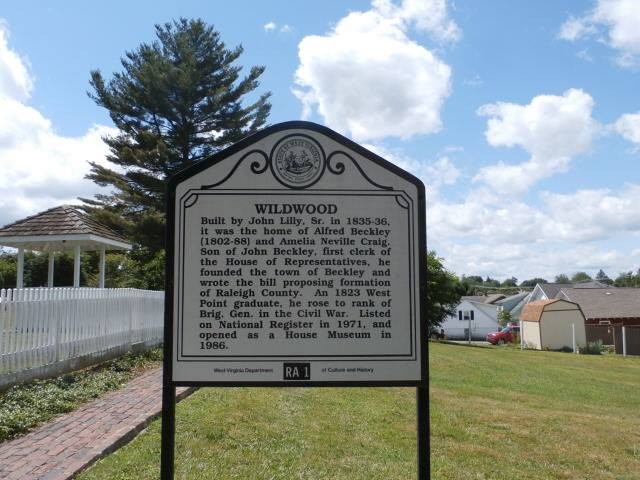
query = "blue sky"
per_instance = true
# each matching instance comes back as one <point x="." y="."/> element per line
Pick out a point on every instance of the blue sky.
<point x="522" y="118"/>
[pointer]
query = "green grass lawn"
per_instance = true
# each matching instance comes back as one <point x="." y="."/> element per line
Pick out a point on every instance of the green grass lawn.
<point x="495" y="414"/>
<point x="506" y="414"/>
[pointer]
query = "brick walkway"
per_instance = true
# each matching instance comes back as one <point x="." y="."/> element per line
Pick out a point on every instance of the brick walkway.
<point x="61" y="448"/>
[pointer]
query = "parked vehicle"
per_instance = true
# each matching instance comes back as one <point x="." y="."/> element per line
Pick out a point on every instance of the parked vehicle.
<point x="509" y="334"/>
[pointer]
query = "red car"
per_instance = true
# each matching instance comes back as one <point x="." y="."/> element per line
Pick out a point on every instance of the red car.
<point x="509" y="334"/>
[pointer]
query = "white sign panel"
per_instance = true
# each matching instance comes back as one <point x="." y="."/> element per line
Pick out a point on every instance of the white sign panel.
<point x="296" y="256"/>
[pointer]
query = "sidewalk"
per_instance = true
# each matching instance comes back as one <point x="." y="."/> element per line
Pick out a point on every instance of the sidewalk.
<point x="68" y="444"/>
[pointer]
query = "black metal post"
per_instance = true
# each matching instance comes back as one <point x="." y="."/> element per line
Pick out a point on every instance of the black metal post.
<point x="168" y="430"/>
<point x="422" y="399"/>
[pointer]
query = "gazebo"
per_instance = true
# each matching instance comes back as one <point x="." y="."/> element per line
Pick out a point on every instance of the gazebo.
<point x="60" y="229"/>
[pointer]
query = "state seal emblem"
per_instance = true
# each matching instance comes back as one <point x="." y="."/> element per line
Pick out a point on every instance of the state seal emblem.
<point x="297" y="161"/>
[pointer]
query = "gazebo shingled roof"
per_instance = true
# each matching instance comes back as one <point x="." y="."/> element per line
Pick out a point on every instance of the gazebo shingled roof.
<point x="58" y="229"/>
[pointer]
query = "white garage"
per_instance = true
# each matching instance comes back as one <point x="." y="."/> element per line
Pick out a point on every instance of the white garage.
<point x="550" y="324"/>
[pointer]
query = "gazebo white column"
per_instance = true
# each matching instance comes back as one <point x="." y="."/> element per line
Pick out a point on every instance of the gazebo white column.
<point x="20" y="269"/>
<point x="76" y="266"/>
<point x="103" y="252"/>
<point x="50" y="270"/>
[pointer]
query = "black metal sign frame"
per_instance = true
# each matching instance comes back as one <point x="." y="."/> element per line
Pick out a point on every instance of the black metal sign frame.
<point x="169" y="386"/>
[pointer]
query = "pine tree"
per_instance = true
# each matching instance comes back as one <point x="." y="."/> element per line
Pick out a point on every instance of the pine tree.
<point x="176" y="101"/>
<point x="603" y="278"/>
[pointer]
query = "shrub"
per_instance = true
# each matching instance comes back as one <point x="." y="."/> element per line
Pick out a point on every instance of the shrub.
<point x="592" y="348"/>
<point x="24" y="406"/>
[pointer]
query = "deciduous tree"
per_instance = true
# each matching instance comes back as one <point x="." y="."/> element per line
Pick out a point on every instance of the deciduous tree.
<point x="534" y="281"/>
<point x="443" y="290"/>
<point x="580" y="277"/>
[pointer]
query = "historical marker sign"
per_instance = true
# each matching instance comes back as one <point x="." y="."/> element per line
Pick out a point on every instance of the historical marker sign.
<point x="295" y="257"/>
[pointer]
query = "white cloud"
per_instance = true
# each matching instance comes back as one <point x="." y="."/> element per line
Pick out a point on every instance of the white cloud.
<point x="584" y="55"/>
<point x="484" y="235"/>
<point x="429" y="16"/>
<point x="433" y="174"/>
<point x="475" y="81"/>
<point x="454" y="148"/>
<point x="273" y="26"/>
<point x="617" y="20"/>
<point x="15" y="80"/>
<point x="594" y="214"/>
<point x="486" y="219"/>
<point x="368" y="78"/>
<point x="628" y="125"/>
<point x="38" y="168"/>
<point x="576" y="28"/>
<point x="576" y="218"/>
<point x="501" y="261"/>
<point x="551" y="128"/>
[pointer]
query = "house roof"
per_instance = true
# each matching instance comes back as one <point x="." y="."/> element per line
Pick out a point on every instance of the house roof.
<point x="532" y="312"/>
<point x="474" y="298"/>
<point x="552" y="289"/>
<point x="494" y="297"/>
<point x="489" y="299"/>
<point x="591" y="284"/>
<point x="512" y="301"/>
<point x="605" y="303"/>
<point x="57" y="226"/>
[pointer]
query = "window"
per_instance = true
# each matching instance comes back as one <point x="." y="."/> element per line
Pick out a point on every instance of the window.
<point x="465" y="315"/>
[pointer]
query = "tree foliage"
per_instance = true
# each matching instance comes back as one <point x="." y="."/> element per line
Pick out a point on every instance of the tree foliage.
<point x="628" y="279"/>
<point x="476" y="285"/>
<point x="562" y="278"/>
<point x="472" y="279"/>
<point x="510" y="282"/>
<point x="491" y="282"/>
<point x="504" y="317"/>
<point x="443" y="291"/>
<point x="580" y="277"/>
<point x="532" y="282"/>
<point x="36" y="268"/>
<point x="7" y="270"/>
<point x="176" y="101"/>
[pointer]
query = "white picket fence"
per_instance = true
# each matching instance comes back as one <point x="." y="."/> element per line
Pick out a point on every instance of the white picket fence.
<point x="45" y="326"/>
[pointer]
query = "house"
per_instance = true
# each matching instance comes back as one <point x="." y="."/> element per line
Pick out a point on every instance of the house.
<point x="553" y="324"/>
<point x="549" y="291"/>
<point x="514" y="304"/>
<point x="606" y="306"/>
<point x="607" y="310"/>
<point x="477" y="314"/>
